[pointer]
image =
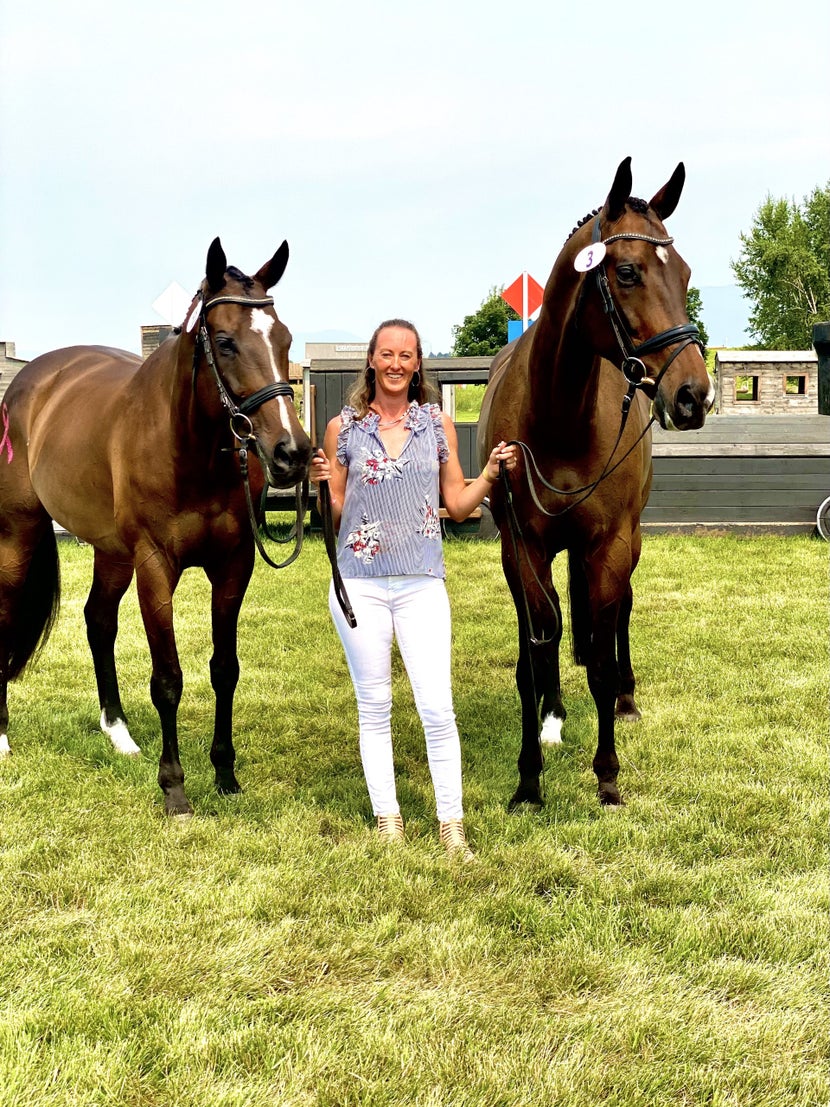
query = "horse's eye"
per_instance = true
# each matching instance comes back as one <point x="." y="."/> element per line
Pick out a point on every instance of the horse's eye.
<point x="225" y="345"/>
<point x="626" y="274"/>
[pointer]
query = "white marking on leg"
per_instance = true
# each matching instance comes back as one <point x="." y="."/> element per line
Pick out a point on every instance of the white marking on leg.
<point x="5" y="748"/>
<point x="119" y="736"/>
<point x="551" y="731"/>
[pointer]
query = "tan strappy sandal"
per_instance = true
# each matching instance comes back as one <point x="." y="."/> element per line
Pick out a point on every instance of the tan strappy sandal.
<point x="454" y="840"/>
<point x="390" y="828"/>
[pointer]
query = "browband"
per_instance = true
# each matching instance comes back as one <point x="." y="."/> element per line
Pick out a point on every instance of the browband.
<point x="266" y="301"/>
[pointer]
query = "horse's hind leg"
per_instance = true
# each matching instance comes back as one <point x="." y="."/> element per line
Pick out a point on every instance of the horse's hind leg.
<point x="602" y="670"/>
<point x="625" y="708"/>
<point x="29" y="597"/>
<point x="110" y="581"/>
<point x="537" y="676"/>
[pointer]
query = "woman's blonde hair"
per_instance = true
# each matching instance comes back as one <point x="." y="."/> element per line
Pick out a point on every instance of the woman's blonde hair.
<point x="363" y="390"/>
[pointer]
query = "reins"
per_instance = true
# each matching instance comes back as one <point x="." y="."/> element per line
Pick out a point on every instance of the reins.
<point x="324" y="500"/>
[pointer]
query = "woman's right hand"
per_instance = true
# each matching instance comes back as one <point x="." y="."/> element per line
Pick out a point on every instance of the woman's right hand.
<point x="320" y="468"/>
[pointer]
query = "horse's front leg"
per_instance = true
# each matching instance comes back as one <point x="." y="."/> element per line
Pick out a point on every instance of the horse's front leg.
<point x="537" y="673"/>
<point x="110" y="580"/>
<point x="229" y="585"/>
<point x="156" y="580"/>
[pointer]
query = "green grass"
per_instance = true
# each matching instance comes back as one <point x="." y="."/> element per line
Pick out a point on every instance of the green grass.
<point x="270" y="951"/>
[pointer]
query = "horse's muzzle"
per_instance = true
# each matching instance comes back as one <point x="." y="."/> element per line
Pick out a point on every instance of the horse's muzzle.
<point x="688" y="407"/>
<point x="289" y="460"/>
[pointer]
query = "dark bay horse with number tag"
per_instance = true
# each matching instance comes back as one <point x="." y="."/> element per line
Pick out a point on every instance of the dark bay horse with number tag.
<point x="574" y="390"/>
<point x="142" y="460"/>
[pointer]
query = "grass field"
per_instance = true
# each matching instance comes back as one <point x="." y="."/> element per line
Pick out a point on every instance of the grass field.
<point x="271" y="951"/>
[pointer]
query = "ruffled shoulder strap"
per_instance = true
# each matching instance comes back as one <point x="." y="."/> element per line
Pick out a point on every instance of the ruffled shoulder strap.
<point x="347" y="418"/>
<point x="440" y="434"/>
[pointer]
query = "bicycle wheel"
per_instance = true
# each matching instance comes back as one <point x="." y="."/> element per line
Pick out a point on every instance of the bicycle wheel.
<point x="823" y="520"/>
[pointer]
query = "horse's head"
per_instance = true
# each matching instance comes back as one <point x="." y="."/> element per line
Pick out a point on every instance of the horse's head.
<point x="246" y="346"/>
<point x="636" y="312"/>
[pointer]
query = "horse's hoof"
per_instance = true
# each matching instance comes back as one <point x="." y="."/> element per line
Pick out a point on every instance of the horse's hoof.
<point x="609" y="796"/>
<point x="228" y="785"/>
<point x="627" y="710"/>
<point x="526" y="795"/>
<point x="177" y="807"/>
<point x="5" y="748"/>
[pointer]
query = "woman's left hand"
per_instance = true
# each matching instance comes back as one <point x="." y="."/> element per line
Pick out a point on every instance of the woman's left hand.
<point x="499" y="453"/>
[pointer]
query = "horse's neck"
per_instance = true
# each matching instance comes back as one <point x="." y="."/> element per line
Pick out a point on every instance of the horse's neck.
<point x="562" y="384"/>
<point x="193" y="405"/>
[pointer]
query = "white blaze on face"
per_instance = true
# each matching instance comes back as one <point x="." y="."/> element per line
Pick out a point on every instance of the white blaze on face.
<point x="262" y="324"/>
<point x="663" y="254"/>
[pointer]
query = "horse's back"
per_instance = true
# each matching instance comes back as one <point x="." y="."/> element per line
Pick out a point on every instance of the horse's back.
<point x="62" y="408"/>
<point x="84" y="376"/>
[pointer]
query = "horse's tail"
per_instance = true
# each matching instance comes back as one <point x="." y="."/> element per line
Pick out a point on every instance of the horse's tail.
<point x="38" y="604"/>
<point x="580" y="608"/>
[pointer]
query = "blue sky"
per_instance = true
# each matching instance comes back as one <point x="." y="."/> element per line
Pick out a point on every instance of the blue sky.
<point x="414" y="155"/>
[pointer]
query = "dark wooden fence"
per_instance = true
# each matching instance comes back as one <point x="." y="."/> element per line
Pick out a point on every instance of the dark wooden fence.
<point x="739" y="472"/>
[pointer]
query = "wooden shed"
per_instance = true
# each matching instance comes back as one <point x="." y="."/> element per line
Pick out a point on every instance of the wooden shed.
<point x="766" y="382"/>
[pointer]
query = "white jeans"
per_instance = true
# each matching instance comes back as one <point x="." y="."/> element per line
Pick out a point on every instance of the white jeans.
<point x="416" y="612"/>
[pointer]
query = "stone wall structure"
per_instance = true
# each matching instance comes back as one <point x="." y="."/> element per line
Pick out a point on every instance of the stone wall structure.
<point x="766" y="382"/>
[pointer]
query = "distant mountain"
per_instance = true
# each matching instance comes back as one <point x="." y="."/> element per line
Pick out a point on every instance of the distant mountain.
<point x="725" y="314"/>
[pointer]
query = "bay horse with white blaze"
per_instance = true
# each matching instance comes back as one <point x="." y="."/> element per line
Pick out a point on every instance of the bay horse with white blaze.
<point x="144" y="460"/>
<point x="574" y="391"/>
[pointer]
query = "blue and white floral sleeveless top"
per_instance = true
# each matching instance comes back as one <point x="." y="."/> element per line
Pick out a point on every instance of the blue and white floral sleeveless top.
<point x="390" y="524"/>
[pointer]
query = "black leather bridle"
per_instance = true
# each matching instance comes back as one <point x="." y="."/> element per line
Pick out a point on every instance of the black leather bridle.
<point x="249" y="404"/>
<point x="243" y="429"/>
<point x="632" y="366"/>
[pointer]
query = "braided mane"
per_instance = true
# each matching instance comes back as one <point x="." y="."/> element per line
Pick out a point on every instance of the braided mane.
<point x="634" y="202"/>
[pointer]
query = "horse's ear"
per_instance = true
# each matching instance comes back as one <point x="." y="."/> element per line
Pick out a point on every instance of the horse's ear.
<point x="620" y="191"/>
<point x="217" y="263"/>
<point x="272" y="270"/>
<point x="665" y="201"/>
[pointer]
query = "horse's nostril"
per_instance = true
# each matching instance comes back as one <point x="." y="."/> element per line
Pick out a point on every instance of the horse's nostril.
<point x="290" y="454"/>
<point x="690" y="406"/>
<point x="685" y="399"/>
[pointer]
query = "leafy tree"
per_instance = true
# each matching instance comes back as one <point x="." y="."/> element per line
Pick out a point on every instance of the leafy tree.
<point x="485" y="332"/>
<point x="694" y="309"/>
<point x="784" y="270"/>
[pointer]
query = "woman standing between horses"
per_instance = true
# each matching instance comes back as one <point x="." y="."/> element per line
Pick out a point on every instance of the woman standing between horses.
<point x="387" y="456"/>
